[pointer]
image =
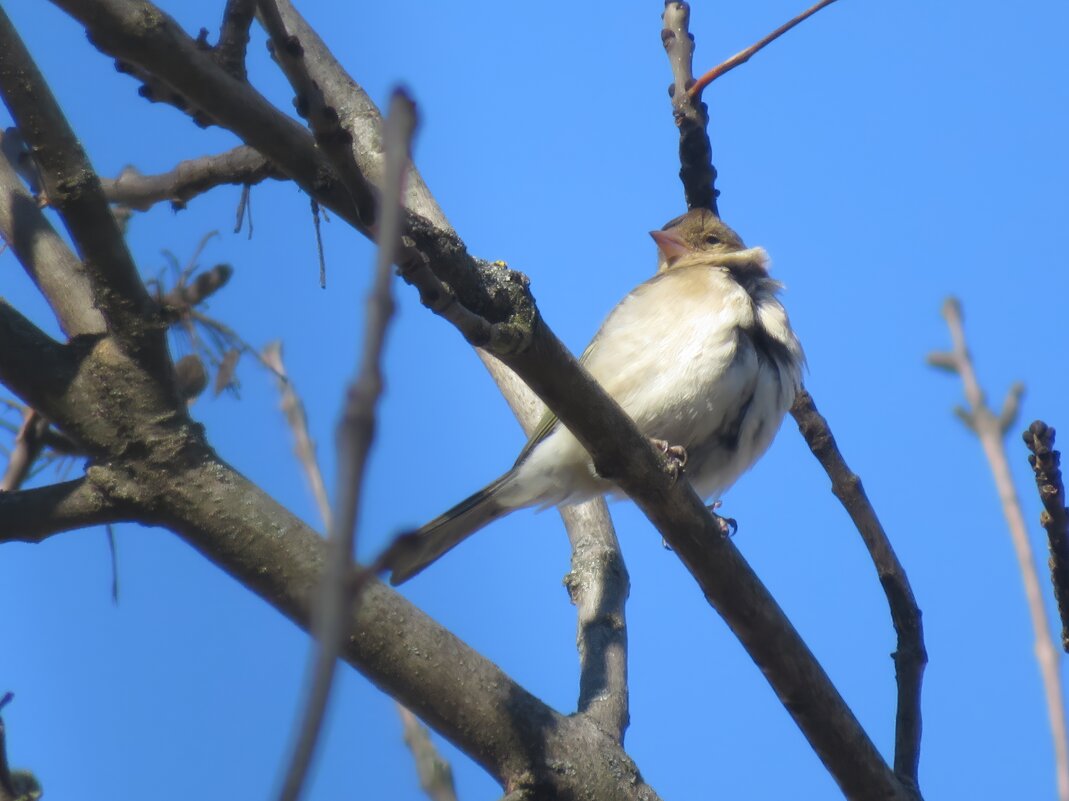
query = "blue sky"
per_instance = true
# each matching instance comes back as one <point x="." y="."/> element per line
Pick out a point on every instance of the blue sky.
<point x="886" y="155"/>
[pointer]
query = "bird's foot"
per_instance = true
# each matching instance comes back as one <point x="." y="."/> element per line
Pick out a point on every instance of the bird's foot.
<point x="676" y="454"/>
<point x="728" y="525"/>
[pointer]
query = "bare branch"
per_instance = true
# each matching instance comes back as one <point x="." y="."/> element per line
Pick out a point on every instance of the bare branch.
<point x="73" y="189"/>
<point x="28" y="445"/>
<point x="190" y="178"/>
<point x="990" y="431"/>
<point x="234" y="36"/>
<point x="32" y="365"/>
<point x="355" y="433"/>
<point x="744" y="55"/>
<point x="293" y="409"/>
<point x="910" y="656"/>
<point x="691" y="115"/>
<point x="435" y="774"/>
<point x="34" y="515"/>
<point x="863" y="773"/>
<point x="56" y="271"/>
<point x="1046" y="463"/>
<point x="598" y="583"/>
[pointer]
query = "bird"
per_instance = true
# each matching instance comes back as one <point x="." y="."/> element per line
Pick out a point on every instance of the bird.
<point x="703" y="358"/>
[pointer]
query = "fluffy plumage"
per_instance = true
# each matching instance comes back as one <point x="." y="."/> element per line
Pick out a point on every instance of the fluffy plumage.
<point x="701" y="356"/>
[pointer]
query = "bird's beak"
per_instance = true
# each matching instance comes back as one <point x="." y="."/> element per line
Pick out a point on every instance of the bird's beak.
<point x="670" y="245"/>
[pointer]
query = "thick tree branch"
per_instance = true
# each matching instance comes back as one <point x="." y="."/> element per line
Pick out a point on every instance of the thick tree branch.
<point x="989" y="429"/>
<point x="505" y="729"/>
<point x="1054" y="518"/>
<point x="34" y="515"/>
<point x="910" y="656"/>
<point x="488" y="303"/>
<point x="242" y="165"/>
<point x="56" y="271"/>
<point x="32" y="365"/>
<point x="73" y="189"/>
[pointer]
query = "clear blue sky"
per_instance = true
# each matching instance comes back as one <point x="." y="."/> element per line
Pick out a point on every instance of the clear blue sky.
<point x="886" y="154"/>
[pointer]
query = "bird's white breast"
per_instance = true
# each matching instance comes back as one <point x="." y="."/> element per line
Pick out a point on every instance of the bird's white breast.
<point x="674" y="354"/>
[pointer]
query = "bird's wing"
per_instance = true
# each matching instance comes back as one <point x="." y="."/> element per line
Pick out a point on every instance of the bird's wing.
<point x="549" y="420"/>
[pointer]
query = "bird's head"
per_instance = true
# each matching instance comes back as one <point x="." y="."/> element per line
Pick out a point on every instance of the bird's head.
<point x="697" y="236"/>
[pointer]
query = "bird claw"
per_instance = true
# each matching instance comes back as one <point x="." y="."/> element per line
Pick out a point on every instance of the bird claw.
<point x="675" y="454"/>
<point x="728" y="525"/>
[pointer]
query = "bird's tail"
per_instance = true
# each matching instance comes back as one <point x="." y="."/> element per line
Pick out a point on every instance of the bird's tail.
<point x="417" y="550"/>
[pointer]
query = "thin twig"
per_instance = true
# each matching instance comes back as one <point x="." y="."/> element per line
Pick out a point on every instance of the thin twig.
<point x="293" y="409"/>
<point x="744" y="55"/>
<point x="1054" y="518"/>
<point x="988" y="428"/>
<point x="29" y="443"/>
<point x="435" y="773"/>
<point x="319" y="245"/>
<point x="113" y="552"/>
<point x="354" y="436"/>
<point x="910" y="655"/>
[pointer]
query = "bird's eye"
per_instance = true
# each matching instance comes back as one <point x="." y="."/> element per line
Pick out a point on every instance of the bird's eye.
<point x="712" y="239"/>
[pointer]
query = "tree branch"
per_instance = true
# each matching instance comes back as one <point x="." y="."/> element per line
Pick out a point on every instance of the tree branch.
<point x="698" y="176"/>
<point x="234" y="36"/>
<point x="356" y="431"/>
<point x="51" y="265"/>
<point x="744" y="55"/>
<point x="242" y="165"/>
<point x="29" y="442"/>
<point x="34" y="515"/>
<point x="509" y="732"/>
<point x="32" y="365"/>
<point x="910" y="655"/>
<point x="1045" y="463"/>
<point x="691" y="115"/>
<point x="435" y="774"/>
<point x="73" y="189"/>
<point x="598" y="583"/>
<point x="989" y="430"/>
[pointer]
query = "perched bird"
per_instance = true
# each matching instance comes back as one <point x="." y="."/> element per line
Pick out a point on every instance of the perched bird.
<point x="701" y="356"/>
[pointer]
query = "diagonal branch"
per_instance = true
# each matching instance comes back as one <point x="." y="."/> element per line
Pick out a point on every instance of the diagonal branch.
<point x="1045" y="463"/>
<point x="743" y="56"/>
<point x="51" y="265"/>
<point x="598" y="583"/>
<point x="698" y="175"/>
<point x="989" y="430"/>
<point x="910" y="656"/>
<point x="356" y="431"/>
<point x="32" y="365"/>
<point x="73" y="189"/>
